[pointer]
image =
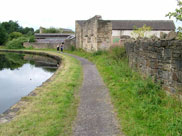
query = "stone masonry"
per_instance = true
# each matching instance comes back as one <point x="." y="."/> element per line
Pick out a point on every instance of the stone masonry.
<point x="160" y="59"/>
<point x="94" y="34"/>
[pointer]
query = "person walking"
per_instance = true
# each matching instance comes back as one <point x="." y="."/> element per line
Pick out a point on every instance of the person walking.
<point x="62" y="46"/>
<point x="58" y="48"/>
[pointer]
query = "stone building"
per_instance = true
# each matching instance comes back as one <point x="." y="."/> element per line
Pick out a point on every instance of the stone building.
<point x="51" y="37"/>
<point x="95" y="34"/>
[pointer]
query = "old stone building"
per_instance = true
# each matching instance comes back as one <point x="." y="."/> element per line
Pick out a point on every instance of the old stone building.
<point x="95" y="34"/>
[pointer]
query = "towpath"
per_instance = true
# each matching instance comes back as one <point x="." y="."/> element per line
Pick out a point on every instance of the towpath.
<point x="95" y="113"/>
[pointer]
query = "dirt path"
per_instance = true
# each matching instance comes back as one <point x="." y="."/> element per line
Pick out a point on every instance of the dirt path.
<point x="95" y="113"/>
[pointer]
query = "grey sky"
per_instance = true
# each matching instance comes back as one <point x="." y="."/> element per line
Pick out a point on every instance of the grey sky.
<point x="63" y="13"/>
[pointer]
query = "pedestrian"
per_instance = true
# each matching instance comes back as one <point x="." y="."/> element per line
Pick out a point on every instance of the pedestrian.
<point x="62" y="46"/>
<point x="58" y="48"/>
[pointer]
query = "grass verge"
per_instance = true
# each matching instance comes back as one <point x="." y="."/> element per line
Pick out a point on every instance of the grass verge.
<point x="142" y="107"/>
<point x="52" y="111"/>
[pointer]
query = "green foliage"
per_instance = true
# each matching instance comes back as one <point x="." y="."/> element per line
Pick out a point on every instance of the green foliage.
<point x="14" y="35"/>
<point x="11" y="26"/>
<point x="31" y="38"/>
<point x="178" y="15"/>
<point x="51" y="30"/>
<point x="28" y="31"/>
<point x="117" y="52"/>
<point x="11" y="60"/>
<point x="73" y="48"/>
<point x="54" y="30"/>
<point x="3" y="35"/>
<point x="16" y="43"/>
<point x="141" y="32"/>
<point x="99" y="52"/>
<point x="37" y="31"/>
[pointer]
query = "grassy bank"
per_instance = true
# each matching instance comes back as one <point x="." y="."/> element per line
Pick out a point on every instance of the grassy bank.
<point x="52" y="111"/>
<point x="142" y="107"/>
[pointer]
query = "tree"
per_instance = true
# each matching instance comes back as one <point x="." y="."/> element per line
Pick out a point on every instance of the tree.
<point x="51" y="30"/>
<point x="14" y="35"/>
<point x="28" y="31"/>
<point x="3" y="35"/>
<point x="178" y="15"/>
<point x="11" y="26"/>
<point x="141" y="32"/>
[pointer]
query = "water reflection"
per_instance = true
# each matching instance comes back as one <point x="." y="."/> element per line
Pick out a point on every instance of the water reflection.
<point x="20" y="74"/>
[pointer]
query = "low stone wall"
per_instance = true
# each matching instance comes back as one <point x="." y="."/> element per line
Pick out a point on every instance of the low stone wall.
<point x="68" y="44"/>
<point x="160" y="59"/>
<point x="40" y="45"/>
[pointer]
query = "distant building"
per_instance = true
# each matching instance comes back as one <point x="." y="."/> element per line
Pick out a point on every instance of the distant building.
<point x="52" y="37"/>
<point x="125" y="27"/>
<point x="95" y="33"/>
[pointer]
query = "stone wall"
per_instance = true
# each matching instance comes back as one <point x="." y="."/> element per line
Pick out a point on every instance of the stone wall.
<point x="78" y="35"/>
<point x="104" y="34"/>
<point x="93" y="34"/>
<point x="40" y="45"/>
<point x="69" y="43"/>
<point x="35" y="45"/>
<point x="160" y="59"/>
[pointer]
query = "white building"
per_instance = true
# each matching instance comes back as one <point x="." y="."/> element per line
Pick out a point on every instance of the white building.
<point x="126" y="27"/>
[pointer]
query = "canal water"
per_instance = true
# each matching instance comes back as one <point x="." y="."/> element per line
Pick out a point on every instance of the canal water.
<point x="20" y="74"/>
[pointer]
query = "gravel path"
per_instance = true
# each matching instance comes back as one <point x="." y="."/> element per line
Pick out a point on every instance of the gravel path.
<point x="95" y="113"/>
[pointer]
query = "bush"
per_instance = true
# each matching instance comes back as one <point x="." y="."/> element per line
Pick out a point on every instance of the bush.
<point x="14" y="35"/>
<point x="99" y="52"/>
<point x="51" y="30"/>
<point x="117" y="53"/>
<point x="73" y="48"/>
<point x="16" y="43"/>
<point x="32" y="38"/>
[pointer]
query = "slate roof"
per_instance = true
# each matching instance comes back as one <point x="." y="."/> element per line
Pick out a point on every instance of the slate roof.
<point x="129" y="24"/>
<point x="53" y="34"/>
<point x="154" y="24"/>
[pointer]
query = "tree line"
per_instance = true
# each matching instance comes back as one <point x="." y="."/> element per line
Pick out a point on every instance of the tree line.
<point x="12" y="30"/>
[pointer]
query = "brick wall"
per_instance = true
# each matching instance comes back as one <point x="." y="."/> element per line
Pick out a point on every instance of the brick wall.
<point x="161" y="59"/>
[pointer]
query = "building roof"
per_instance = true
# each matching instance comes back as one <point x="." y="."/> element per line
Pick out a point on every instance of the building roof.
<point x="154" y="24"/>
<point x="53" y="34"/>
<point x="129" y="24"/>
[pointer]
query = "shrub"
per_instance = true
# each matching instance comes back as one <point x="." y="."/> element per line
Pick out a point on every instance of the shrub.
<point x="51" y="30"/>
<point x="16" y="43"/>
<point x="117" y="52"/>
<point x="73" y="48"/>
<point x="32" y="38"/>
<point x="141" y="32"/>
<point x="14" y="35"/>
<point x="99" y="52"/>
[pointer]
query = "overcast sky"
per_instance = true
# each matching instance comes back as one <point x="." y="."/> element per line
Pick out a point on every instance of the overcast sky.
<point x="63" y="13"/>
